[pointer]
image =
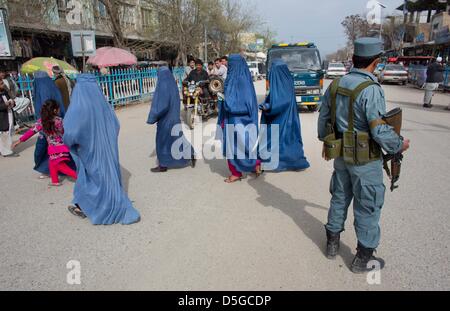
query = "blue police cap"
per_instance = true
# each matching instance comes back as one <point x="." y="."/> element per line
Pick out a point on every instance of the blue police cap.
<point x="368" y="47"/>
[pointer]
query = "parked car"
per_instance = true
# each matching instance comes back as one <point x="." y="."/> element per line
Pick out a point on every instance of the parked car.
<point x="378" y="70"/>
<point x="394" y="73"/>
<point x="336" y="70"/>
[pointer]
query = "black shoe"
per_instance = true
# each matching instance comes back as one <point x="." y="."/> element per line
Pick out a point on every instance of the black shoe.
<point x="363" y="261"/>
<point x="193" y="162"/>
<point x="333" y="244"/>
<point x="429" y="106"/>
<point x="159" y="169"/>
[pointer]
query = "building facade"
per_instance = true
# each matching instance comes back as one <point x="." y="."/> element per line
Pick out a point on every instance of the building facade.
<point x="42" y="27"/>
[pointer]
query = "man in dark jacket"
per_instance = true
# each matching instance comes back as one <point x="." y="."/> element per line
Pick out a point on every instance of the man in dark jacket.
<point x="435" y="76"/>
<point x="199" y="74"/>
<point x="6" y="122"/>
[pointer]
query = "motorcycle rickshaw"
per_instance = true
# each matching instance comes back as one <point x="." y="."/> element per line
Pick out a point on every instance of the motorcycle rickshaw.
<point x="200" y="103"/>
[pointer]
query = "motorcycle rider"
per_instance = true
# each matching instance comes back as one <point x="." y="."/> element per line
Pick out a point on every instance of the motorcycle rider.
<point x="197" y="75"/>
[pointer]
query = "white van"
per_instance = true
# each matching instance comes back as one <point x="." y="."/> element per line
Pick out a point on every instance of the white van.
<point x="254" y="70"/>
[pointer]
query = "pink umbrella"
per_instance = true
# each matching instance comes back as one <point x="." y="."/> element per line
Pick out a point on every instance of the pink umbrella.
<point x="111" y="57"/>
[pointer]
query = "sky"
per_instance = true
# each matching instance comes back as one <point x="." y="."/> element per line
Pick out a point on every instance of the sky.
<point x="318" y="21"/>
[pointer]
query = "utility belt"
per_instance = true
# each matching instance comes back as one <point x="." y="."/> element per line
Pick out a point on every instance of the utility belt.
<point x="357" y="148"/>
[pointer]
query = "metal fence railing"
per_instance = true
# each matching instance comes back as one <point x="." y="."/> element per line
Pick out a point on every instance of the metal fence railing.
<point x="120" y="86"/>
<point x="418" y="76"/>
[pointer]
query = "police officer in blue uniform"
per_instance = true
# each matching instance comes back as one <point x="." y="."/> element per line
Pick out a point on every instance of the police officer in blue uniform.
<point x="355" y="104"/>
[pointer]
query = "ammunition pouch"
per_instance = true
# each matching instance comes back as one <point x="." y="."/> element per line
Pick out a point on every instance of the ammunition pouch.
<point x="357" y="148"/>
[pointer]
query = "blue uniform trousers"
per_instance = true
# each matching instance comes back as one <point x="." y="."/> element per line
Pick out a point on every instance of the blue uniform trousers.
<point x="364" y="185"/>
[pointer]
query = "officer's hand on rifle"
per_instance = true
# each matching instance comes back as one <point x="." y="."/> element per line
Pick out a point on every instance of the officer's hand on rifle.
<point x="406" y="145"/>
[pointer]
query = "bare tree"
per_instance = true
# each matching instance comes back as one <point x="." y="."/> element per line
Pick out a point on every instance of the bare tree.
<point x="355" y="26"/>
<point x="183" y="24"/>
<point x="393" y="30"/>
<point x="114" y="10"/>
<point x="32" y="12"/>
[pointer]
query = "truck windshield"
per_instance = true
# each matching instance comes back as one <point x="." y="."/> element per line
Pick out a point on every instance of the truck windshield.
<point x="297" y="58"/>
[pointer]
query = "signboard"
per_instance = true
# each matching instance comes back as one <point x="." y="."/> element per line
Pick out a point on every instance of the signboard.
<point x="420" y="37"/>
<point x="6" y="51"/>
<point x="83" y="43"/>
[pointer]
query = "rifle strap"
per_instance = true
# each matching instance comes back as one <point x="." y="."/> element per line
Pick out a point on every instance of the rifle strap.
<point x="333" y="95"/>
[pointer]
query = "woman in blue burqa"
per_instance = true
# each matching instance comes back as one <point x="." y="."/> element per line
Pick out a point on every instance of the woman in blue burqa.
<point x="280" y="110"/>
<point x="91" y="132"/>
<point x="44" y="89"/>
<point x="172" y="151"/>
<point x="238" y="118"/>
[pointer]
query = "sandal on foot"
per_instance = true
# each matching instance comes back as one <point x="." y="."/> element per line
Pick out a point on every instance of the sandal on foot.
<point x="230" y="181"/>
<point x="55" y="185"/>
<point x="259" y="171"/>
<point x="76" y="211"/>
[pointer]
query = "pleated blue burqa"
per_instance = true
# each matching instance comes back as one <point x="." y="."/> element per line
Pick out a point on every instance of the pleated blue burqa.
<point x="44" y="89"/>
<point x="91" y="132"/>
<point x="239" y="109"/>
<point x="165" y="111"/>
<point x="280" y="109"/>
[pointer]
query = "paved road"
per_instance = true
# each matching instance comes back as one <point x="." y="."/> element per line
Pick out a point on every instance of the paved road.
<point x="198" y="233"/>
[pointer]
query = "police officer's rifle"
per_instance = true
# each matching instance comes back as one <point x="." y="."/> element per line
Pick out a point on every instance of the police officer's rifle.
<point x="394" y="119"/>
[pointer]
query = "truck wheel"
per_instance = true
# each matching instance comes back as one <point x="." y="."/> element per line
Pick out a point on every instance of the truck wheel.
<point x="190" y="118"/>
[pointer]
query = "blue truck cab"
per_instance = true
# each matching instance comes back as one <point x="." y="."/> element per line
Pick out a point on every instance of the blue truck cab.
<point x="305" y="65"/>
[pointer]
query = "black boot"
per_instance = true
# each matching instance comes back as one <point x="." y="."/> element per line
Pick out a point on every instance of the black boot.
<point x="362" y="259"/>
<point x="159" y="169"/>
<point x="333" y="244"/>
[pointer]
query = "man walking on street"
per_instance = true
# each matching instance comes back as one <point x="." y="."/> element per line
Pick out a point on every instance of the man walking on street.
<point x="64" y="85"/>
<point x="6" y="122"/>
<point x="352" y="113"/>
<point x="435" y="76"/>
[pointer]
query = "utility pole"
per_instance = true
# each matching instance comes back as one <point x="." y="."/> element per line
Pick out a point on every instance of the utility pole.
<point x="405" y="20"/>
<point x="206" y="44"/>
<point x="382" y="6"/>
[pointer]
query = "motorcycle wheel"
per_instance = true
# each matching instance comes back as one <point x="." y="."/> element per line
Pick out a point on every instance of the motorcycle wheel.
<point x="190" y="118"/>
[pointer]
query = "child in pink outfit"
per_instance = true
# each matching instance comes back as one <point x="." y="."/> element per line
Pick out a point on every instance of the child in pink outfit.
<point x="58" y="152"/>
